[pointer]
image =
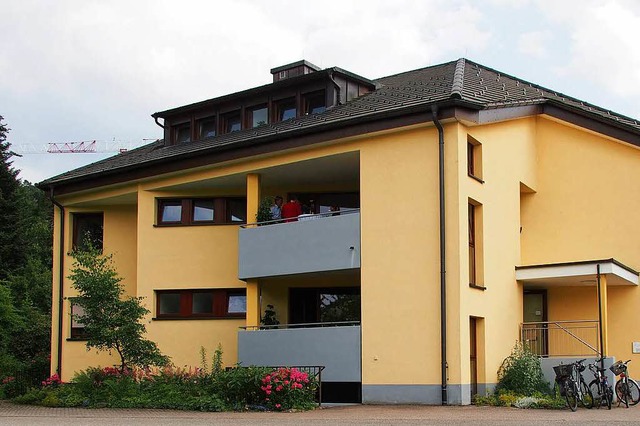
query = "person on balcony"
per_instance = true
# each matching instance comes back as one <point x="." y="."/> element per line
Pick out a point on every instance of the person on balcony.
<point x="276" y="208"/>
<point x="291" y="210"/>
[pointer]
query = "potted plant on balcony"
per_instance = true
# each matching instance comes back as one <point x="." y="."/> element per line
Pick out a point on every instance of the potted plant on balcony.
<point x="269" y="317"/>
<point x="264" y="210"/>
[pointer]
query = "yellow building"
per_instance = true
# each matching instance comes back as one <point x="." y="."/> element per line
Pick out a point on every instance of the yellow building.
<point x="456" y="210"/>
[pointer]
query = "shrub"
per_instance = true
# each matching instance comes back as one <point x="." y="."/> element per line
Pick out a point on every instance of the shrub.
<point x="288" y="388"/>
<point x="521" y="373"/>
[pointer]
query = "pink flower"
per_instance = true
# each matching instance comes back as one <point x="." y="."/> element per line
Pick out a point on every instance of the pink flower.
<point x="278" y="405"/>
<point x="279" y="388"/>
<point x="268" y="392"/>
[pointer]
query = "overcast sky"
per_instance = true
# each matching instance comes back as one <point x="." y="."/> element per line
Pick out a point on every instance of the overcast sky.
<point x="96" y="70"/>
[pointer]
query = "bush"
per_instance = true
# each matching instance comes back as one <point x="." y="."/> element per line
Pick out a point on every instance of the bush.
<point x="288" y="388"/>
<point x="521" y="373"/>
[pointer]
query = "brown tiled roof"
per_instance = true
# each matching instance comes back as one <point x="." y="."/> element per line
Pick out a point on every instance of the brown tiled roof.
<point x="463" y="82"/>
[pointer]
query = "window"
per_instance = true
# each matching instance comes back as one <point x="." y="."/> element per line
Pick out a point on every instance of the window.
<point x="314" y="103"/>
<point x="286" y="109"/>
<point x="329" y="304"/>
<point x="201" y="303"/>
<point x="474" y="158"/>
<point x="77" y="326"/>
<point x="231" y="122"/>
<point x="201" y="211"/>
<point x="207" y="128"/>
<point x="257" y="116"/>
<point x="352" y="90"/>
<point x="475" y="244"/>
<point x="182" y="133"/>
<point x="87" y="231"/>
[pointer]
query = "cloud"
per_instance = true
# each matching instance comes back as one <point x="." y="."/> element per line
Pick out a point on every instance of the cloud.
<point x="534" y="44"/>
<point x="602" y="44"/>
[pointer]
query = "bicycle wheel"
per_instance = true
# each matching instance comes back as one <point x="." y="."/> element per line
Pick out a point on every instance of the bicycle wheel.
<point x="598" y="398"/>
<point x="634" y="392"/>
<point x="586" y="397"/>
<point x="622" y="393"/>
<point x="571" y="395"/>
<point x="609" y="396"/>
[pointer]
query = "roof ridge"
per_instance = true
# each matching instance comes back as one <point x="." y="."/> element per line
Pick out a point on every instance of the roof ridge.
<point x="458" y="79"/>
<point x="377" y="79"/>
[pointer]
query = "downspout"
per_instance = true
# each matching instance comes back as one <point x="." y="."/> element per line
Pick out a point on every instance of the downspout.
<point x="338" y="102"/>
<point x="158" y="123"/>
<point x="60" y="280"/>
<point x="443" y="278"/>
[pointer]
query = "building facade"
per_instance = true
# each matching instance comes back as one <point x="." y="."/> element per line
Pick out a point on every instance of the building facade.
<point x="454" y="211"/>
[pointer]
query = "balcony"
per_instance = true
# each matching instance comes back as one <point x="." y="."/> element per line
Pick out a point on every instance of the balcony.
<point x="328" y="243"/>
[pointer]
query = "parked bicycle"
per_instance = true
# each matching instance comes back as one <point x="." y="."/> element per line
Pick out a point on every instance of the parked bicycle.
<point x="572" y="384"/>
<point x="627" y="389"/>
<point x="600" y="389"/>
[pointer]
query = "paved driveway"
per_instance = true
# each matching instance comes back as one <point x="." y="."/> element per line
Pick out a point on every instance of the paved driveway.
<point x="11" y="414"/>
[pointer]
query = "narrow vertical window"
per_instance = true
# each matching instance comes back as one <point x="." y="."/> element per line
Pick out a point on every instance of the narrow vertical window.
<point x="182" y="133"/>
<point x="472" y="244"/>
<point x="87" y="231"/>
<point x="476" y="255"/>
<point x="474" y="158"/>
<point x="77" y="325"/>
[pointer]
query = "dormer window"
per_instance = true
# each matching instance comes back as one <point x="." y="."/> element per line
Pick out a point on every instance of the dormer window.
<point x="286" y="109"/>
<point x="183" y="133"/>
<point x="232" y="122"/>
<point x="257" y="116"/>
<point x="314" y="102"/>
<point x="207" y="128"/>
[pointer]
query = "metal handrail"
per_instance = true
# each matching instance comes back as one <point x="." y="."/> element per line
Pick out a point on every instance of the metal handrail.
<point x="300" y="325"/>
<point x="311" y="216"/>
<point x="559" y="322"/>
<point x="547" y="326"/>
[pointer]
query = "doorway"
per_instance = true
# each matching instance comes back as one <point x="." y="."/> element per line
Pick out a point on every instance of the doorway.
<point x="534" y="315"/>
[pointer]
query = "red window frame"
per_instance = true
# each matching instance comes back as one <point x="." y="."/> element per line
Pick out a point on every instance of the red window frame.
<point x="221" y="205"/>
<point x="219" y="307"/>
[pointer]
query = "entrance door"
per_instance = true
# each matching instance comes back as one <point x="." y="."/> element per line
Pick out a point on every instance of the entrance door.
<point x="534" y="313"/>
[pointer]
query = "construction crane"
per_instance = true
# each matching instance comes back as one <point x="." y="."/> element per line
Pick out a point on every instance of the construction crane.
<point x="80" y="147"/>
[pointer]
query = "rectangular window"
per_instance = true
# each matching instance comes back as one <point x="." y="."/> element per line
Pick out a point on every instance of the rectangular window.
<point x="88" y="231"/>
<point x="475" y="244"/>
<point x="286" y="109"/>
<point x="182" y="133"/>
<point x="77" y="325"/>
<point x="474" y="158"/>
<point x="323" y="305"/>
<point x="201" y="303"/>
<point x="232" y="122"/>
<point x="257" y="116"/>
<point x="207" y="128"/>
<point x="314" y="103"/>
<point x="201" y="211"/>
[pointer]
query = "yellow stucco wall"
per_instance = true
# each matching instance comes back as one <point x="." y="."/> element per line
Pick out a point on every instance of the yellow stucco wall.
<point x="585" y="209"/>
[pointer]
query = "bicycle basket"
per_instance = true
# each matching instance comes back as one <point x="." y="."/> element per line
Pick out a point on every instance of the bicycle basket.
<point x="618" y="368"/>
<point x="563" y="371"/>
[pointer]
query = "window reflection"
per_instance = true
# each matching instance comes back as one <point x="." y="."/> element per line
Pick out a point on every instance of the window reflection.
<point x="169" y="303"/>
<point x="237" y="304"/>
<point x="203" y="211"/>
<point x="171" y="212"/>
<point x="202" y="303"/>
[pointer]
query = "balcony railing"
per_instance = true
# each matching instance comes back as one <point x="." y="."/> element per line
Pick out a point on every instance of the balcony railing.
<point x="325" y="242"/>
<point x="336" y="347"/>
<point x="561" y="338"/>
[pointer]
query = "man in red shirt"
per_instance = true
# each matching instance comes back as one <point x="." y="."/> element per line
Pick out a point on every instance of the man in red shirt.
<point x="291" y="210"/>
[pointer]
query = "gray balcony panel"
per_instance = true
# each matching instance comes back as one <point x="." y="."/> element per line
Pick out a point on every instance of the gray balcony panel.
<point x="337" y="348"/>
<point x="323" y="244"/>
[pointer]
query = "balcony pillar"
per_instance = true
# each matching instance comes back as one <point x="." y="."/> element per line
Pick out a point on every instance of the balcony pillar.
<point x="253" y="196"/>
<point x="602" y="306"/>
<point x="253" y="303"/>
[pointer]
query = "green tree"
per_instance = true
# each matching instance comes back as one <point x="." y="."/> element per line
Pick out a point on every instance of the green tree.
<point x="112" y="321"/>
<point x="12" y="253"/>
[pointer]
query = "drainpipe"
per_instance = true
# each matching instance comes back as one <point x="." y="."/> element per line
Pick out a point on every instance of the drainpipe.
<point x="443" y="278"/>
<point x="157" y="122"/>
<point x="60" y="280"/>
<point x="338" y="102"/>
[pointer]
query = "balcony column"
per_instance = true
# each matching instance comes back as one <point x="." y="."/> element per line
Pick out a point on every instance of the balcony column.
<point x="602" y="306"/>
<point x="253" y="287"/>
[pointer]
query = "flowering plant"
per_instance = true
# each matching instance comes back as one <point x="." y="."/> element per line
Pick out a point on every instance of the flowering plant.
<point x="53" y="381"/>
<point x="287" y="388"/>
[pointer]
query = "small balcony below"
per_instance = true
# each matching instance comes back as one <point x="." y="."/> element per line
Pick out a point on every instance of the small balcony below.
<point x="324" y="242"/>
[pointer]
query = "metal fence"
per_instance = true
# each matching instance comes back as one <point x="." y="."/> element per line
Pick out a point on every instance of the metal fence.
<point x="561" y="338"/>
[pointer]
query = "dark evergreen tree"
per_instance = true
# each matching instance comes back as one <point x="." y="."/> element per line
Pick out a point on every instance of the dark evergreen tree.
<point x="12" y="253"/>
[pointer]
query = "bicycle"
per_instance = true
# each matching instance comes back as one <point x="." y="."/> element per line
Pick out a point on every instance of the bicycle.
<point x="599" y="386"/>
<point x="572" y="384"/>
<point x="627" y="389"/>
